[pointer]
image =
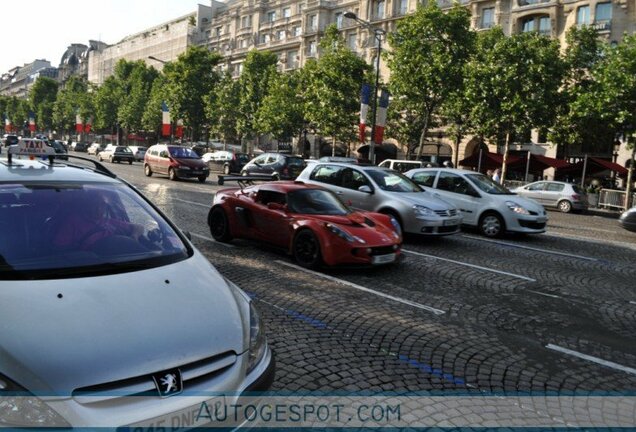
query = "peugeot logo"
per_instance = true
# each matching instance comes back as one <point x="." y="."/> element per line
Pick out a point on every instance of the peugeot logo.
<point x="168" y="383"/>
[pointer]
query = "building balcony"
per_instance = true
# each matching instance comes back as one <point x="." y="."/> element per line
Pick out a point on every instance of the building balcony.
<point x="602" y="25"/>
<point x="443" y="4"/>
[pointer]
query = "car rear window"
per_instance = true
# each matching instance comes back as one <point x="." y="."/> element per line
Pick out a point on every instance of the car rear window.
<point x="577" y="189"/>
<point x="66" y="230"/>
<point x="295" y="161"/>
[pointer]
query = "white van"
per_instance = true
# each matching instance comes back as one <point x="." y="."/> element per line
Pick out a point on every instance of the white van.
<point x="401" y="165"/>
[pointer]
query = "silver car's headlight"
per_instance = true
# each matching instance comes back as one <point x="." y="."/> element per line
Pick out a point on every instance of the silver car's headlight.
<point x="18" y="407"/>
<point x="420" y="210"/>
<point x="517" y="208"/>
<point x="257" y="339"/>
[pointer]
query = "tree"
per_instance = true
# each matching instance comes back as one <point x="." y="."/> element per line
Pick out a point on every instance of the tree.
<point x="222" y="109"/>
<point x="579" y="124"/>
<point x="254" y="84"/>
<point x="189" y="81"/>
<point x="73" y="99"/>
<point x="405" y="124"/>
<point x="42" y="97"/>
<point x="513" y="84"/>
<point x="281" y="113"/>
<point x="332" y="89"/>
<point x="136" y="89"/>
<point x="151" y="118"/>
<point x="107" y="100"/>
<point x="428" y="51"/>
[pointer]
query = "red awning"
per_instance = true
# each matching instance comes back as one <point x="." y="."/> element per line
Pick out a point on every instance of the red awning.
<point x="488" y="160"/>
<point x="594" y="166"/>
<point x="539" y="163"/>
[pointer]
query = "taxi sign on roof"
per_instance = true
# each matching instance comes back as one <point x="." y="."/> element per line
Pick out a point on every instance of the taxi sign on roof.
<point x="31" y="146"/>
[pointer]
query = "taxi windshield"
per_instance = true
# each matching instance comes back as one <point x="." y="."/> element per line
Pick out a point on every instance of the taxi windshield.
<point x="69" y="229"/>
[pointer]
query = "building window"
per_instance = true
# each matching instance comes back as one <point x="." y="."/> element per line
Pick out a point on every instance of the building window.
<point x="271" y="16"/>
<point x="286" y="12"/>
<point x="292" y="62"/>
<point x="296" y="31"/>
<point x="531" y="2"/>
<point x="488" y="17"/>
<point x="313" y="21"/>
<point x="300" y="8"/>
<point x="378" y="9"/>
<point x="351" y="41"/>
<point x="527" y="25"/>
<point x="339" y="17"/>
<point x="583" y="15"/>
<point x="246" y="21"/>
<point x="312" y="48"/>
<point x="243" y="43"/>
<point x="539" y="24"/>
<point x="403" y="7"/>
<point x="280" y="35"/>
<point x="603" y="13"/>
<point x="545" y="28"/>
<point x="265" y="38"/>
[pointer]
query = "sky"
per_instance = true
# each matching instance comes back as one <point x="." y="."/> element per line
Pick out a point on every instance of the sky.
<point x="43" y="29"/>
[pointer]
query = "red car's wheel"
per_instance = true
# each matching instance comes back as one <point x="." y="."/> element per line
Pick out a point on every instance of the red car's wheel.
<point x="219" y="225"/>
<point x="307" y="249"/>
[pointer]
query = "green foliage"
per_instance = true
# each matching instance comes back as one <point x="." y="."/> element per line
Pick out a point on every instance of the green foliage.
<point x="222" y="109"/>
<point x="281" y="113"/>
<point x="42" y="98"/>
<point x="332" y="88"/>
<point x="258" y="69"/>
<point x="73" y="98"/>
<point x="428" y="51"/>
<point x="151" y="118"/>
<point x="136" y="89"/>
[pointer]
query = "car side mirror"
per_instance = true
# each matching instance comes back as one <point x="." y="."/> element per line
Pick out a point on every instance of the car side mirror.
<point x="257" y="164"/>
<point x="276" y="206"/>
<point x="365" y="189"/>
<point x="474" y="193"/>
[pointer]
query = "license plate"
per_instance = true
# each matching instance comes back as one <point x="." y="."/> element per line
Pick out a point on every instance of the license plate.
<point x="451" y="222"/>
<point x="383" y="259"/>
<point x="191" y="417"/>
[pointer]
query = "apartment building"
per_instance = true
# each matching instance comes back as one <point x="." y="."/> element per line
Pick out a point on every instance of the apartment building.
<point x="18" y="81"/>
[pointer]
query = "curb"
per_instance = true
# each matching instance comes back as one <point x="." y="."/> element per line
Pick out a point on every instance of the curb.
<point x="611" y="214"/>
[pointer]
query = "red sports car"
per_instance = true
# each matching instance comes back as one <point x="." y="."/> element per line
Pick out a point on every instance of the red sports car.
<point x="309" y="222"/>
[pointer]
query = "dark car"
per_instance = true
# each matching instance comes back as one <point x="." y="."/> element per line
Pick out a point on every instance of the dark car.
<point x="60" y="150"/>
<point x="116" y="154"/>
<point x="306" y="221"/>
<point x="175" y="161"/>
<point x="226" y="161"/>
<point x="81" y="147"/>
<point x="628" y="220"/>
<point x="278" y="166"/>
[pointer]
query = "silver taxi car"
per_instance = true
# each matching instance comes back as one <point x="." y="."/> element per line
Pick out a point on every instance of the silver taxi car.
<point x="386" y="191"/>
<point x="102" y="297"/>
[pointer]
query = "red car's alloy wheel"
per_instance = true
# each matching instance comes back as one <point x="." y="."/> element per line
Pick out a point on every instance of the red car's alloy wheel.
<point x="307" y="249"/>
<point x="219" y="226"/>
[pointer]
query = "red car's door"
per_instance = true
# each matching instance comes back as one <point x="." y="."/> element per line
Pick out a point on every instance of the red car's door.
<point x="271" y="225"/>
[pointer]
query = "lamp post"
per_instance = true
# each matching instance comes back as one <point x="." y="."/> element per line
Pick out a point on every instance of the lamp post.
<point x="378" y="33"/>
<point x="157" y="59"/>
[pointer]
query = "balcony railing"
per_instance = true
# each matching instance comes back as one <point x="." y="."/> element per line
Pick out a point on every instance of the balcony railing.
<point x="604" y="25"/>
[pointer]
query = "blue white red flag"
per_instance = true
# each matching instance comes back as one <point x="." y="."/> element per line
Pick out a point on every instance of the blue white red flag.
<point x="31" y="121"/>
<point x="179" y="129"/>
<point x="380" y="119"/>
<point x="165" y="120"/>
<point x="365" y="96"/>
<point x="79" y="123"/>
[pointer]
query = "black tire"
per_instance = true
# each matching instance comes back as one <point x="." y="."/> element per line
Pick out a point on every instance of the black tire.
<point x="147" y="170"/>
<point x="219" y="225"/>
<point x="172" y="175"/>
<point x="565" y="206"/>
<point x="129" y="162"/>
<point x="306" y="249"/>
<point x="202" y="178"/>
<point x="491" y="225"/>
<point x="226" y="169"/>
<point x="100" y="158"/>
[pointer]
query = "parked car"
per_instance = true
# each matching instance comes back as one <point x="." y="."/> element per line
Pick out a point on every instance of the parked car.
<point x="226" y="161"/>
<point x="115" y="153"/>
<point x="60" y="150"/>
<point x="80" y="147"/>
<point x="277" y="166"/>
<point x="176" y="162"/>
<point x="484" y="204"/>
<point x="139" y="152"/>
<point x="8" y="140"/>
<point x="340" y="159"/>
<point x="386" y="191"/>
<point x="628" y="219"/>
<point x="306" y="221"/>
<point x="401" y="165"/>
<point x="128" y="313"/>
<point x="561" y="195"/>
<point x="95" y="148"/>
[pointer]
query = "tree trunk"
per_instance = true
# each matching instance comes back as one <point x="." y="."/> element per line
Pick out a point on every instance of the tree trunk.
<point x="458" y="139"/>
<point x="422" y="138"/>
<point x="333" y="146"/>
<point x="628" y="188"/>
<point x="504" y="165"/>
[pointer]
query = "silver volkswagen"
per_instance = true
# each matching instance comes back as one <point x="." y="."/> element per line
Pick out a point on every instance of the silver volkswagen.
<point x="103" y="298"/>
<point x="386" y="191"/>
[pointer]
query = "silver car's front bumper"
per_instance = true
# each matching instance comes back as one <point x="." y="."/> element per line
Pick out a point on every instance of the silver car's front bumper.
<point x="434" y="226"/>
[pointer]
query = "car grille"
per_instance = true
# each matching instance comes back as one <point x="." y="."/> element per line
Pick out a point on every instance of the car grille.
<point x="447" y="229"/>
<point x="191" y="374"/>
<point x="384" y="250"/>
<point x="445" y="213"/>
<point x="532" y="224"/>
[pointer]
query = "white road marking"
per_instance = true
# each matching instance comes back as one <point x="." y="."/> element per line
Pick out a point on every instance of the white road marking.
<point x="193" y="203"/>
<point x="632" y="302"/>
<point x="544" y="294"/>
<point x="211" y="240"/>
<point x="595" y="241"/>
<point x="367" y="290"/>
<point x="470" y="265"/>
<point x="592" y="359"/>
<point x="531" y="248"/>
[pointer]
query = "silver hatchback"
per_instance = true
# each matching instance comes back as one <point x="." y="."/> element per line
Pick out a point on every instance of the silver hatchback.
<point x="386" y="191"/>
<point x="561" y="195"/>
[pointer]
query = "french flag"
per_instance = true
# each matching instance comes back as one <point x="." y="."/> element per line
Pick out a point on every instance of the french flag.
<point x="31" y="121"/>
<point x="165" y="120"/>
<point x="88" y="125"/>
<point x="365" y="96"/>
<point x="380" y="120"/>
<point x="79" y="124"/>
<point x="7" y="124"/>
<point x="179" y="129"/>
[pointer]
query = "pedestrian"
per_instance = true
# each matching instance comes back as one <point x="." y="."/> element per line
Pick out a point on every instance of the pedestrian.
<point x="496" y="177"/>
<point x="489" y="173"/>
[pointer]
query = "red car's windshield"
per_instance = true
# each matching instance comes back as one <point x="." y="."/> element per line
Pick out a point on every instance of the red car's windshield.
<point x="316" y="202"/>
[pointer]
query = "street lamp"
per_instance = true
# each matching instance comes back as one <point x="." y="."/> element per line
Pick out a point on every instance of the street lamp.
<point x="379" y="33"/>
<point x="157" y="59"/>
